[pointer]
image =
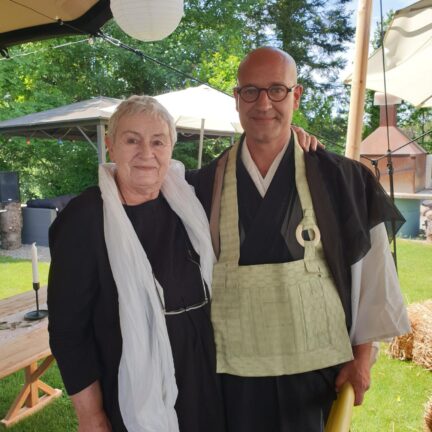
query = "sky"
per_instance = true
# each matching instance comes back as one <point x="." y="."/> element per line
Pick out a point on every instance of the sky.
<point x="376" y="18"/>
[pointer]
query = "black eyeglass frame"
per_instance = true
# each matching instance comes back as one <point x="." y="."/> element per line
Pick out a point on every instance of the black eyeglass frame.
<point x="239" y="90"/>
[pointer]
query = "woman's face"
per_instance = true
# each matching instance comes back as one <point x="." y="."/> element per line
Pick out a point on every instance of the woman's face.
<point x="142" y="151"/>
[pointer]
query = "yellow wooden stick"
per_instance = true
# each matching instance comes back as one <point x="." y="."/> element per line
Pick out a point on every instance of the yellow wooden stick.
<point x="339" y="419"/>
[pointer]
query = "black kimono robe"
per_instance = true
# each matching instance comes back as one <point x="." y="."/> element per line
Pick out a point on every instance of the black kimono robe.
<point x="348" y="202"/>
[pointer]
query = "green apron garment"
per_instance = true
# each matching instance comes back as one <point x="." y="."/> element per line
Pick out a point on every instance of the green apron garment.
<point x="275" y="319"/>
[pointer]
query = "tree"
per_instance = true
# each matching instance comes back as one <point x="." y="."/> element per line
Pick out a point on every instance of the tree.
<point x="327" y="119"/>
<point x="48" y="169"/>
<point x="213" y="37"/>
<point x="314" y="33"/>
<point x="417" y="123"/>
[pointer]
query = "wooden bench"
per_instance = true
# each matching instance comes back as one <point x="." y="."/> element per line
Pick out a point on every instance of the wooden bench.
<point x="23" y="344"/>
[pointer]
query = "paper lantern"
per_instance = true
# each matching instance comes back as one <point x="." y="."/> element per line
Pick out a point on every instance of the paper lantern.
<point x="147" y="20"/>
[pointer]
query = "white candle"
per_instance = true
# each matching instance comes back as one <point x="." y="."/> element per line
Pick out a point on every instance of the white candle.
<point x="35" y="269"/>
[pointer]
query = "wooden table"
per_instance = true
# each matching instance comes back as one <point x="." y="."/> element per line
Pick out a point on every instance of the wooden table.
<point x="24" y="345"/>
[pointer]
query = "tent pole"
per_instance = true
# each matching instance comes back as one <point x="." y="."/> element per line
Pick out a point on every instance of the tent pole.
<point x="201" y="142"/>
<point x="100" y="129"/>
<point x="358" y="87"/>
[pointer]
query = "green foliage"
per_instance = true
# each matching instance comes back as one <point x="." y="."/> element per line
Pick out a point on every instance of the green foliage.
<point x="372" y="114"/>
<point x="221" y="70"/>
<point x="380" y="30"/>
<point x="187" y="151"/>
<point x="209" y="44"/>
<point x="417" y="122"/>
<point x="47" y="168"/>
<point x="326" y="117"/>
<point x="314" y="33"/>
<point x="214" y="147"/>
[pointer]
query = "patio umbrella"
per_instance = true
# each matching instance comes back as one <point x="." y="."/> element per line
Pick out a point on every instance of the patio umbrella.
<point x="407" y="55"/>
<point x="27" y="20"/>
<point x="202" y="108"/>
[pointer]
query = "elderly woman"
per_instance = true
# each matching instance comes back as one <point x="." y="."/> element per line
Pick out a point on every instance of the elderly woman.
<point x="129" y="288"/>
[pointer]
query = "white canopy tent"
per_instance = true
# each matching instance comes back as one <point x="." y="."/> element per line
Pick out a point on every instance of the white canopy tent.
<point x="202" y="108"/>
<point x="407" y="56"/>
<point x="408" y="64"/>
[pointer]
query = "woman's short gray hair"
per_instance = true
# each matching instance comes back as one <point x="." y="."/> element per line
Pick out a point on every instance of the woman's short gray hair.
<point x="138" y="104"/>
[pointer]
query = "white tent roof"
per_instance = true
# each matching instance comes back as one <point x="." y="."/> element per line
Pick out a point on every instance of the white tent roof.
<point x="191" y="106"/>
<point x="408" y="57"/>
<point x="201" y="109"/>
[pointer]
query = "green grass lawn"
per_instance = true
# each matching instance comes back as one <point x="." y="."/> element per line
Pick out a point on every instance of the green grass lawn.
<point x="58" y="416"/>
<point x="395" y="402"/>
<point x="396" y="399"/>
<point x="16" y="276"/>
<point x="415" y="269"/>
<point x="399" y="390"/>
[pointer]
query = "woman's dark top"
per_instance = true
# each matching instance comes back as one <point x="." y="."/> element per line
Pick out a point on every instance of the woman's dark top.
<point x="84" y="325"/>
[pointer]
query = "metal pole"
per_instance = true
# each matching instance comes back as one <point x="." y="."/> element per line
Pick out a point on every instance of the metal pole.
<point x="100" y="129"/>
<point x="358" y="86"/>
<point x="201" y="143"/>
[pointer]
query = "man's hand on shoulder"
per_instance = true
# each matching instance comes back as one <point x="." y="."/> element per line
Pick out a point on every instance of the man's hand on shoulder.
<point x="307" y="142"/>
<point x="357" y="372"/>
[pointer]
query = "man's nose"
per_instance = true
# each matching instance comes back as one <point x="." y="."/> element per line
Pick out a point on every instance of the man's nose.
<point x="263" y="101"/>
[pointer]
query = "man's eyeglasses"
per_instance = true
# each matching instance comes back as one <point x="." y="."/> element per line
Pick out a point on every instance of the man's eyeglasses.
<point x="275" y="93"/>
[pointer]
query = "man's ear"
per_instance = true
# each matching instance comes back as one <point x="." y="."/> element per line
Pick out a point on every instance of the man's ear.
<point x="298" y="91"/>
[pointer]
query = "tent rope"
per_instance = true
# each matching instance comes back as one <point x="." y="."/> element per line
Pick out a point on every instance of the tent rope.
<point x="144" y="56"/>
<point x="390" y="168"/>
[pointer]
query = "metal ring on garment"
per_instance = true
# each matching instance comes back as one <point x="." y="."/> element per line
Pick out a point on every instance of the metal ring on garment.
<point x="314" y="228"/>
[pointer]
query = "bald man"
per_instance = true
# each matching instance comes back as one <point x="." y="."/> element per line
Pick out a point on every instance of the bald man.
<point x="304" y="281"/>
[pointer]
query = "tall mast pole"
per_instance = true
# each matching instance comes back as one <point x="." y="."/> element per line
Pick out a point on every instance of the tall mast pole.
<point x="358" y="85"/>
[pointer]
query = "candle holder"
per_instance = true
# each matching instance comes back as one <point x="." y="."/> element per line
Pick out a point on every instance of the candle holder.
<point x="38" y="313"/>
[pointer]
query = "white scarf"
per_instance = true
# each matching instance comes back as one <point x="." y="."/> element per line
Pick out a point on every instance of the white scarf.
<point x="146" y="379"/>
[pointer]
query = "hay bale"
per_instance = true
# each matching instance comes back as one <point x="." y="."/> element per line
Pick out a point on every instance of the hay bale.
<point x="428" y="416"/>
<point x="401" y="347"/>
<point x="422" y="331"/>
<point x="417" y="345"/>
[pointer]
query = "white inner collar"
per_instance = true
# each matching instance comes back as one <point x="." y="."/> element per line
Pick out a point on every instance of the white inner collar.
<point x="261" y="183"/>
